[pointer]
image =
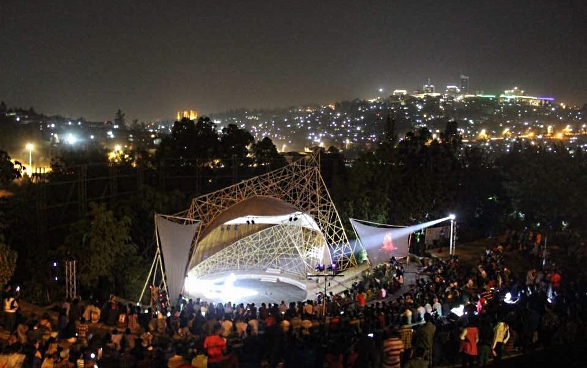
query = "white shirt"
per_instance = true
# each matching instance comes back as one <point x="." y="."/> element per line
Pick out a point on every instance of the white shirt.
<point x="438" y="308"/>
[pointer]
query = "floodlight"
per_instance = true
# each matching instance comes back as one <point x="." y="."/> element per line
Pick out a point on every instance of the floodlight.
<point x="452" y="216"/>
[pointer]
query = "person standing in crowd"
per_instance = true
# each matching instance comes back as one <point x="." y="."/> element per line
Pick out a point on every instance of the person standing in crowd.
<point x="215" y="347"/>
<point x="10" y="310"/>
<point x="469" y="339"/>
<point x="501" y="335"/>
<point x="424" y="336"/>
<point x="407" y="334"/>
<point x="485" y="339"/>
<point x="393" y="347"/>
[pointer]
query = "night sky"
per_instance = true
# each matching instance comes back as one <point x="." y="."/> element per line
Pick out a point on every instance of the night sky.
<point x="152" y="58"/>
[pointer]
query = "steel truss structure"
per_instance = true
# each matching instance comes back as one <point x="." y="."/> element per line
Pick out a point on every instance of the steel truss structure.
<point x="282" y="248"/>
<point x="70" y="279"/>
<point x="290" y="248"/>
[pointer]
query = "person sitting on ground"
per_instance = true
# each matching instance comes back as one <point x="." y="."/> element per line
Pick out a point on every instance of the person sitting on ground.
<point x="129" y="340"/>
<point x="92" y="313"/>
<point x="34" y="332"/>
<point x="418" y="360"/>
<point x="64" y="360"/>
<point x="82" y="331"/>
<point x="115" y="340"/>
<point x="21" y="330"/>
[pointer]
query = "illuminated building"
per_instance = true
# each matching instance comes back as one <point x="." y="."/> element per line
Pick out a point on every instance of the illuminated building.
<point x="464" y="84"/>
<point x="452" y="90"/>
<point x="428" y="87"/>
<point x="188" y="114"/>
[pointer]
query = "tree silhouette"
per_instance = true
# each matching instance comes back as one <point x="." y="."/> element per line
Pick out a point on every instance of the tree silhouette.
<point x="99" y="243"/>
<point x="266" y="154"/>
<point x="234" y="145"/>
<point x="119" y="119"/>
<point x="190" y="143"/>
<point x="8" y="172"/>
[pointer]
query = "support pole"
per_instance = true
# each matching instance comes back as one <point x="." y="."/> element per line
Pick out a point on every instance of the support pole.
<point x="150" y="273"/>
<point x="70" y="280"/>
<point x="451" y="250"/>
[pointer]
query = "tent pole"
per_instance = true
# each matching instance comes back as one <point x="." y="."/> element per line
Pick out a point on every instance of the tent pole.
<point x="153" y="264"/>
<point x="163" y="278"/>
<point x="358" y="238"/>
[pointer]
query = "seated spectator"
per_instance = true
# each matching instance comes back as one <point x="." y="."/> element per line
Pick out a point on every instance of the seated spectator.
<point x="82" y="331"/>
<point x="115" y="340"/>
<point x="129" y="341"/>
<point x="92" y="313"/>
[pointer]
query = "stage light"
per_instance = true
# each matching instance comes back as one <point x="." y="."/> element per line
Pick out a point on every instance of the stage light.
<point x="296" y="218"/>
<point x="248" y="222"/>
<point x="451" y="216"/>
<point x="290" y="219"/>
<point x="252" y="222"/>
<point x="320" y="267"/>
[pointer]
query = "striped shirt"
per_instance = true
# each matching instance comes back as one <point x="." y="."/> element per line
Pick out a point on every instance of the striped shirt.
<point x="392" y="349"/>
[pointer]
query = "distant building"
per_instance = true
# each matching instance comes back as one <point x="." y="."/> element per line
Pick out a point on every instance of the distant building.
<point x="514" y="92"/>
<point x="464" y="84"/>
<point x="189" y="114"/>
<point x="452" y="90"/>
<point x="400" y="92"/>
<point x="428" y="87"/>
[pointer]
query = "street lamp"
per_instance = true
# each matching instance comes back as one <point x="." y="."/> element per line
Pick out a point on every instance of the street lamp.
<point x="30" y="147"/>
<point x="451" y="249"/>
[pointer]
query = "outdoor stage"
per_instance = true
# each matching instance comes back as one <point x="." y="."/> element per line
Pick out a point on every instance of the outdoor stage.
<point x="261" y="240"/>
<point x="247" y="287"/>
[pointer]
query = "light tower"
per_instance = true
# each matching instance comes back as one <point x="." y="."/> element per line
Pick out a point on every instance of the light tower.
<point x="451" y="249"/>
<point x="464" y="84"/>
<point x="30" y="147"/>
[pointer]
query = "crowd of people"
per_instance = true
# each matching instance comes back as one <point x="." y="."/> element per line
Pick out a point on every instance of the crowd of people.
<point x="450" y="315"/>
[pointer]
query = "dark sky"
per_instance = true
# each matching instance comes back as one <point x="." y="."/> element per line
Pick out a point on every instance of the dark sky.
<point x="151" y="58"/>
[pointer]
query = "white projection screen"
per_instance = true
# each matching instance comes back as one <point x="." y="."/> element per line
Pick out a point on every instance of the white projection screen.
<point x="381" y="242"/>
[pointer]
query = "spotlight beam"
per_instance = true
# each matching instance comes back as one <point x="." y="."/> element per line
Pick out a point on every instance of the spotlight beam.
<point x="404" y="232"/>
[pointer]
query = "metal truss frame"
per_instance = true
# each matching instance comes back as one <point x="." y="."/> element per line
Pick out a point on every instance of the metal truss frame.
<point x="300" y="184"/>
<point x="70" y="279"/>
<point x="281" y="248"/>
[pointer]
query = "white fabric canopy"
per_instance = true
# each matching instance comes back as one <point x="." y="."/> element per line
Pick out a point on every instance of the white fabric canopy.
<point x="176" y="241"/>
<point x="381" y="242"/>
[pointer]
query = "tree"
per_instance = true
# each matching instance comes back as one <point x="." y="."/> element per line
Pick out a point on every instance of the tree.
<point x="100" y="243"/>
<point x="7" y="170"/>
<point x="65" y="160"/>
<point x="266" y="154"/>
<point x="189" y="142"/>
<point x="235" y="143"/>
<point x="543" y="185"/>
<point x="119" y="119"/>
<point x="7" y="262"/>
